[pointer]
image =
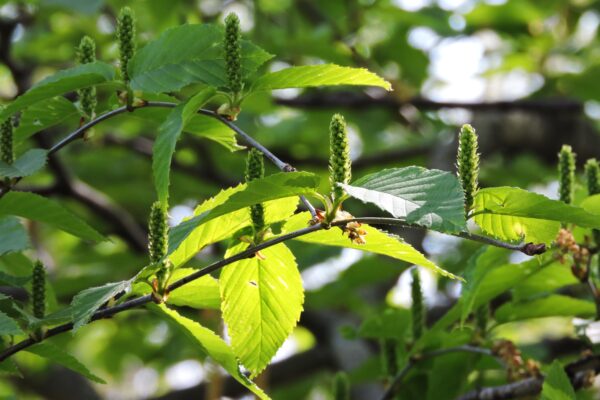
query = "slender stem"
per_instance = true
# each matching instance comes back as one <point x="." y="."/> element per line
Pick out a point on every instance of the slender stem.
<point x="413" y="361"/>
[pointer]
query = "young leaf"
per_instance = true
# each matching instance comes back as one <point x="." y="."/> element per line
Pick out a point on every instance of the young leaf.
<point x="262" y="300"/>
<point x="213" y="346"/>
<point x="13" y="236"/>
<point x="377" y="242"/>
<point x="557" y="385"/>
<point x="430" y="198"/>
<point x="223" y="227"/>
<point x="57" y="355"/>
<point x="168" y="134"/>
<point x="44" y="115"/>
<point x="550" y="306"/>
<point x="86" y="302"/>
<point x="62" y="82"/>
<point x="515" y="214"/>
<point x="28" y="164"/>
<point x="9" y="326"/>
<point x="318" y="75"/>
<point x="277" y="186"/>
<point x="38" y="208"/>
<point x="188" y="54"/>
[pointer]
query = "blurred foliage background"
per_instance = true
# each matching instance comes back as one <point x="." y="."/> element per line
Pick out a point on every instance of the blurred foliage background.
<point x="523" y="72"/>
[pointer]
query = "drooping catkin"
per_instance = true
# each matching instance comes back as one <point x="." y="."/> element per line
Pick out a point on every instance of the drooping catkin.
<point x="157" y="232"/>
<point x="233" y="52"/>
<point x="86" y="53"/>
<point x="38" y="290"/>
<point x="341" y="386"/>
<point x="467" y="162"/>
<point x="255" y="169"/>
<point x="126" y="39"/>
<point x="340" y="166"/>
<point x="566" y="173"/>
<point x="417" y="308"/>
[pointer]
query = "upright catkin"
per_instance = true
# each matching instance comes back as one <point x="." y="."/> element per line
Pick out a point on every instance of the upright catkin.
<point x="566" y="173"/>
<point x="157" y="232"/>
<point x="126" y="39"/>
<point x="592" y="175"/>
<point x="417" y="308"/>
<point x="388" y="357"/>
<point x="341" y="386"/>
<point x="467" y="162"/>
<point x="340" y="166"/>
<point x="38" y="290"/>
<point x="481" y="318"/>
<point x="7" y="154"/>
<point x="233" y="52"/>
<point x="255" y="169"/>
<point x="86" y="53"/>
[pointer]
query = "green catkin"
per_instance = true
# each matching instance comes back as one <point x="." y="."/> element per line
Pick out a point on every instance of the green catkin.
<point x="7" y="154"/>
<point x="339" y="155"/>
<point x="341" y="386"/>
<point x="592" y="174"/>
<point x="86" y="53"/>
<point x="417" y="308"/>
<point x="157" y="232"/>
<point x="233" y="52"/>
<point x="566" y="173"/>
<point x="38" y="290"/>
<point x="255" y="169"/>
<point x="481" y="318"/>
<point x="388" y="357"/>
<point x="467" y="162"/>
<point x="126" y="38"/>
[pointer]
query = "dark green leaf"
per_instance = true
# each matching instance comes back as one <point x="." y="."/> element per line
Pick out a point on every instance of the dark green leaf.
<point x="28" y="164"/>
<point x="44" y="115"/>
<point x="9" y="326"/>
<point x="13" y="236"/>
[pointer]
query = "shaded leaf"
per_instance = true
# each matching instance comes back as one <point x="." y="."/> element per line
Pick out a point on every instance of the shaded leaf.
<point x="57" y="355"/>
<point x="13" y="236"/>
<point x="9" y="326"/>
<point x="38" y="208"/>
<point x="392" y="323"/>
<point x="28" y="164"/>
<point x="44" y="115"/>
<point x="550" y="306"/>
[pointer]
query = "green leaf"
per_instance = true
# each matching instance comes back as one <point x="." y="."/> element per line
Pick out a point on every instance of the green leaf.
<point x="168" y="134"/>
<point x="13" y="237"/>
<point x="213" y="346"/>
<point x="10" y="280"/>
<point x="272" y="187"/>
<point x="188" y="54"/>
<point x="38" y="208"/>
<point x="9" y="326"/>
<point x="479" y="265"/>
<point x="377" y="242"/>
<point x="57" y="355"/>
<point x="515" y="214"/>
<point x="223" y="227"/>
<point x="547" y="280"/>
<point x="319" y="75"/>
<point x="9" y="367"/>
<point x="86" y="302"/>
<point x="557" y="385"/>
<point x="430" y="198"/>
<point x="262" y="301"/>
<point x="392" y="323"/>
<point x="28" y="164"/>
<point x="44" y="115"/>
<point x="63" y="81"/>
<point x="550" y="306"/>
<point x="210" y="128"/>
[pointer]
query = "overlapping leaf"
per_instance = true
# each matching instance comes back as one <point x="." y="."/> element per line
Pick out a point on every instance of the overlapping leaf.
<point x="44" y="115"/>
<point x="28" y="164"/>
<point x="262" y="300"/>
<point x="557" y="385"/>
<point x="430" y="198"/>
<point x="549" y="306"/>
<point x="86" y="302"/>
<point x="13" y="236"/>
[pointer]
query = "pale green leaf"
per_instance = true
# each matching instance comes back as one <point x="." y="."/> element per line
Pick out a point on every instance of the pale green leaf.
<point x="213" y="346"/>
<point x="319" y="75"/>
<point x="188" y="54"/>
<point x="59" y="356"/>
<point x="38" y="208"/>
<point x="223" y="227"/>
<point x="13" y="236"/>
<point x="550" y="306"/>
<point x="272" y="187"/>
<point x="547" y="280"/>
<point x="377" y="242"/>
<point x="63" y="81"/>
<point x="430" y="198"/>
<point x="557" y="385"/>
<point x="168" y="134"/>
<point x="262" y="301"/>
<point x="28" y="164"/>
<point x="9" y="326"/>
<point x="9" y="367"/>
<point x="515" y="214"/>
<point x="86" y="302"/>
<point x="210" y="128"/>
<point x="44" y="115"/>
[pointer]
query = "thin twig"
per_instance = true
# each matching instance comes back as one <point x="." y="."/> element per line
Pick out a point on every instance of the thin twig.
<point x="413" y="361"/>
